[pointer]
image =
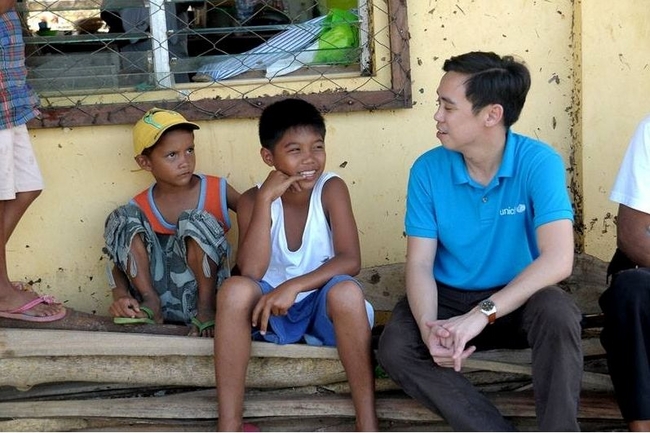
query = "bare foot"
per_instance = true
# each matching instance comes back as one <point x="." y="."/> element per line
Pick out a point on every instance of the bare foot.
<point x="13" y="297"/>
<point x="153" y="306"/>
<point x="205" y="319"/>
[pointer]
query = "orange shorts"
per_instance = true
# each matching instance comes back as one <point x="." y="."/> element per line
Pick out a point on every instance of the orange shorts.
<point x="19" y="171"/>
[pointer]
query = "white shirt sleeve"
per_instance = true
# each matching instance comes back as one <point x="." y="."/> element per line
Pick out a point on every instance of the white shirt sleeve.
<point x="632" y="185"/>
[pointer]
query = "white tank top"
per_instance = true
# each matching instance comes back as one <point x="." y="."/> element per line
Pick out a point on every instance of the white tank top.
<point x="317" y="246"/>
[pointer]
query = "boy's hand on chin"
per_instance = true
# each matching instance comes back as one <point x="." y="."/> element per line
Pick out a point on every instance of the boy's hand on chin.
<point x="277" y="183"/>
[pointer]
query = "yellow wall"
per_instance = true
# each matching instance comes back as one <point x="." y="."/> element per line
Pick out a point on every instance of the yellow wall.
<point x="90" y="170"/>
<point x="616" y="96"/>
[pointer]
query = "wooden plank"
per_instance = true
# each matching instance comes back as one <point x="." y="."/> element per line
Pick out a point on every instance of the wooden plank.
<point x="44" y="356"/>
<point x="80" y="321"/>
<point x="202" y="405"/>
<point x="199" y="371"/>
<point x="16" y="343"/>
<point x="24" y="373"/>
<point x="33" y="343"/>
<point x="75" y="390"/>
<point x="278" y="424"/>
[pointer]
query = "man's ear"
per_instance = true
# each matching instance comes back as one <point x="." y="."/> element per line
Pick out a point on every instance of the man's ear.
<point x="267" y="156"/>
<point x="494" y="114"/>
<point x="144" y="162"/>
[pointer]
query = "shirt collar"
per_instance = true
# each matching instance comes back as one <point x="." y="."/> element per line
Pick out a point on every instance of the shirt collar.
<point x="506" y="169"/>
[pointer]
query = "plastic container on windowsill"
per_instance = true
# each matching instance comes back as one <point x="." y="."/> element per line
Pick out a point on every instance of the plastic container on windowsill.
<point x="47" y="32"/>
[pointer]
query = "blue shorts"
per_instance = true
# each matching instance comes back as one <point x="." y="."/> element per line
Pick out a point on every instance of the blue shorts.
<point x="306" y="320"/>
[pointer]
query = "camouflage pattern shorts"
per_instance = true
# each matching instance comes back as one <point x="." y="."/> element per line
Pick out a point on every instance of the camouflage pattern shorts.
<point x="171" y="276"/>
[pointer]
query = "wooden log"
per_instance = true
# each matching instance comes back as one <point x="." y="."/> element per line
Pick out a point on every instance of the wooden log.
<point x="79" y="321"/>
<point x="29" y="343"/>
<point x="79" y="390"/>
<point x="31" y="357"/>
<point x="202" y="405"/>
<point x="24" y="373"/>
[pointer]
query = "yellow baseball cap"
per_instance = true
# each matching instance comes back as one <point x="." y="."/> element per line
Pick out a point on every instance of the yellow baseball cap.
<point x="147" y="131"/>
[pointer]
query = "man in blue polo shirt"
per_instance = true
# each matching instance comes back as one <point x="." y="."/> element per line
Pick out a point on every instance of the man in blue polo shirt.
<point x="490" y="233"/>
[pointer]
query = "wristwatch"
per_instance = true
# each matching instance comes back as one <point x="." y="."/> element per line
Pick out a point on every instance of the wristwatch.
<point x="488" y="308"/>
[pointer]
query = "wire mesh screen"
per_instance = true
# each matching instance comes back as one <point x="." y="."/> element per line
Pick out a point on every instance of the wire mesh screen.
<point x="97" y="62"/>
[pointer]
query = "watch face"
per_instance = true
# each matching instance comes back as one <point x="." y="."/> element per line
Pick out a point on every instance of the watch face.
<point x="487" y="305"/>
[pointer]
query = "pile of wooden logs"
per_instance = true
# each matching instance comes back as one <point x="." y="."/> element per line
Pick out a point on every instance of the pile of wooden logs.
<point x="85" y="373"/>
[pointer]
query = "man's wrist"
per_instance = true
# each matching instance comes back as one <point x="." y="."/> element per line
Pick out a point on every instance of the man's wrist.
<point x="488" y="308"/>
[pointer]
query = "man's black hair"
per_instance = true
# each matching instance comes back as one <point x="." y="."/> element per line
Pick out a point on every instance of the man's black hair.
<point x="286" y="114"/>
<point x="493" y="80"/>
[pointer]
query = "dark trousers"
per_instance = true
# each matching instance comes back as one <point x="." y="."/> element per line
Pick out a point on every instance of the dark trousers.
<point x="626" y="338"/>
<point x="549" y="323"/>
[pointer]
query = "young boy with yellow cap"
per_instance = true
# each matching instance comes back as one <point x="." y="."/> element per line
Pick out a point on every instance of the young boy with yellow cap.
<point x="168" y="243"/>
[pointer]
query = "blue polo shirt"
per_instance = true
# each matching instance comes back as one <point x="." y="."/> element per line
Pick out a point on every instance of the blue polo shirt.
<point x="486" y="234"/>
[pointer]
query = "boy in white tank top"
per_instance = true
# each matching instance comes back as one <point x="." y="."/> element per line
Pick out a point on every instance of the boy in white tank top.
<point x="298" y="249"/>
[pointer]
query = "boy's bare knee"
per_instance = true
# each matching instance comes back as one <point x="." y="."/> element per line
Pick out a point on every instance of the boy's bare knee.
<point x="238" y="291"/>
<point x="345" y="296"/>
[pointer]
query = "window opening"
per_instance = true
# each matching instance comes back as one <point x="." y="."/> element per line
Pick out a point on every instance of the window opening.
<point x="84" y="73"/>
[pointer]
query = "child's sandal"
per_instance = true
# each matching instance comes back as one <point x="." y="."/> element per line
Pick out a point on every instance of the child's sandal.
<point x="202" y="326"/>
<point x="136" y="320"/>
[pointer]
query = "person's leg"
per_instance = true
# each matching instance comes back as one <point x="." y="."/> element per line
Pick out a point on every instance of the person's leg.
<point x="205" y="272"/>
<point x="15" y="209"/>
<point x="20" y="184"/>
<point x="346" y="306"/>
<point x="137" y="271"/>
<point x="639" y="425"/>
<point x="406" y="359"/>
<point x="551" y="320"/>
<point x="626" y="339"/>
<point x="12" y="297"/>
<point x="205" y="251"/>
<point x="133" y="247"/>
<point x="236" y="299"/>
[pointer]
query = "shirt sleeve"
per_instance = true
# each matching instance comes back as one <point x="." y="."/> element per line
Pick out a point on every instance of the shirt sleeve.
<point x="420" y="220"/>
<point x="549" y="194"/>
<point x="632" y="185"/>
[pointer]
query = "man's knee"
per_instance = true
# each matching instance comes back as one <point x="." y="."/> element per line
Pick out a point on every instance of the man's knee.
<point x="389" y="348"/>
<point x="631" y="287"/>
<point x="554" y="309"/>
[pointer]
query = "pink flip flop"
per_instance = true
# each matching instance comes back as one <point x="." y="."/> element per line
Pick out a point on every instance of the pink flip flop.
<point x="249" y="427"/>
<point x="19" y="313"/>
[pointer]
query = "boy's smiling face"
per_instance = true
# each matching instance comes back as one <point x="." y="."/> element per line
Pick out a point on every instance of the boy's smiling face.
<point x="300" y="151"/>
<point x="172" y="159"/>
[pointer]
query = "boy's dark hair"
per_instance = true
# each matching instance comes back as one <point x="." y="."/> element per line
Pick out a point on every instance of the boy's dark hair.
<point x="283" y="115"/>
<point x="493" y="80"/>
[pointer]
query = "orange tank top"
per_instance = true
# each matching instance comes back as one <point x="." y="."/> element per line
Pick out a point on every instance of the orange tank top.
<point x="212" y="199"/>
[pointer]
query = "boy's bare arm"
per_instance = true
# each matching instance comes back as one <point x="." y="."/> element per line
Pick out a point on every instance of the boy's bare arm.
<point x="6" y="5"/>
<point x="124" y="305"/>
<point x="232" y="197"/>
<point x="633" y="234"/>
<point x="254" y="245"/>
<point x="338" y="208"/>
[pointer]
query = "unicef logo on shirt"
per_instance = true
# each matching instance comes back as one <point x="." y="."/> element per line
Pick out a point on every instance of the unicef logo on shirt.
<point x="520" y="208"/>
